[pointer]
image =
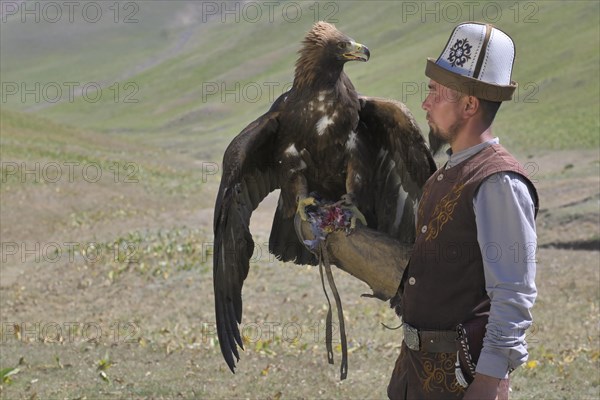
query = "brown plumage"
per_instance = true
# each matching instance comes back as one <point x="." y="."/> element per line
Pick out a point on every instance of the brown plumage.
<point x="320" y="136"/>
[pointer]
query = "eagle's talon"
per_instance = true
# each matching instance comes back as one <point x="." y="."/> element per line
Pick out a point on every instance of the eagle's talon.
<point x="348" y="199"/>
<point x="302" y="204"/>
<point x="348" y="204"/>
<point x="356" y="214"/>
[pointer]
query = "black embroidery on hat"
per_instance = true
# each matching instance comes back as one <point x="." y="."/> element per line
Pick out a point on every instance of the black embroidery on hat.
<point x="460" y="52"/>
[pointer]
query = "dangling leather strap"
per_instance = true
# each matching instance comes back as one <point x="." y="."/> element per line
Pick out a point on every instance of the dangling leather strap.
<point x="328" y="330"/>
<point x="324" y="263"/>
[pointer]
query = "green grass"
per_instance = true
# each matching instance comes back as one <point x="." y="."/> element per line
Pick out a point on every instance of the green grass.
<point x="54" y="152"/>
<point x="556" y="66"/>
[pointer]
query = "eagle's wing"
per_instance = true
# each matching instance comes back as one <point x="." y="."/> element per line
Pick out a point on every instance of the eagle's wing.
<point x="249" y="175"/>
<point x="402" y="165"/>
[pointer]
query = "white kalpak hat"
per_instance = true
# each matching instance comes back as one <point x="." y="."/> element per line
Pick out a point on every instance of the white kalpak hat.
<point x="477" y="61"/>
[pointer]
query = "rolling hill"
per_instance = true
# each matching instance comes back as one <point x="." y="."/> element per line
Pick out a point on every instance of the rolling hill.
<point x="190" y="75"/>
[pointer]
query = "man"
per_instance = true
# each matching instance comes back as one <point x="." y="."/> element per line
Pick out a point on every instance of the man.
<point x="469" y="287"/>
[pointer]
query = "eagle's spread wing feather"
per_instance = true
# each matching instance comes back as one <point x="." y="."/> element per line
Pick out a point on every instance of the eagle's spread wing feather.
<point x="320" y="136"/>
<point x="403" y="163"/>
<point x="248" y="177"/>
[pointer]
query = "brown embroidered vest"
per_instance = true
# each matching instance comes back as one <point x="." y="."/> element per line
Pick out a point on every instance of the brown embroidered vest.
<point x="444" y="283"/>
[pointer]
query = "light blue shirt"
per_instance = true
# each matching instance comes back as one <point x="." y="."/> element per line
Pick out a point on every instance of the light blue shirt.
<point x="505" y="218"/>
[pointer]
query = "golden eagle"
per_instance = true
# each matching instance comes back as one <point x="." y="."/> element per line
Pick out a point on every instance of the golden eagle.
<point x="320" y="136"/>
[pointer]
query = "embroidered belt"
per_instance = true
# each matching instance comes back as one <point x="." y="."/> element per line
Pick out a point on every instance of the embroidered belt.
<point x="429" y="341"/>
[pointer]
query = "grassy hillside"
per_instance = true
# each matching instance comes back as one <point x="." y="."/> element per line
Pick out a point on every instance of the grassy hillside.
<point x="183" y="77"/>
<point x="55" y="152"/>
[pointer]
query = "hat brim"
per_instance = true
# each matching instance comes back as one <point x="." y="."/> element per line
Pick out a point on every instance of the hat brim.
<point x="467" y="85"/>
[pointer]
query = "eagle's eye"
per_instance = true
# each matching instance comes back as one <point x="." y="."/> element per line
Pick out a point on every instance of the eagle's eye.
<point x="342" y="45"/>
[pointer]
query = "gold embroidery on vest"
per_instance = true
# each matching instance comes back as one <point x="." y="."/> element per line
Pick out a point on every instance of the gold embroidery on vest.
<point x="437" y="372"/>
<point x="443" y="211"/>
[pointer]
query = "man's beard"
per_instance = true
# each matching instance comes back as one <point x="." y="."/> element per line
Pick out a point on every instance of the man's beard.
<point x="446" y="136"/>
<point x="435" y="141"/>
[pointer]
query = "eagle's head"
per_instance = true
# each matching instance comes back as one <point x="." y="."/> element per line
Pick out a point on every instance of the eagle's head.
<point x="324" y="52"/>
<point x="326" y="41"/>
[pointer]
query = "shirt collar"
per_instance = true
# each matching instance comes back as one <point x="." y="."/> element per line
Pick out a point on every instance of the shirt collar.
<point x="456" y="158"/>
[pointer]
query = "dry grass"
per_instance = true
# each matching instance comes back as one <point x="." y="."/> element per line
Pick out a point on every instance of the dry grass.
<point x="134" y="314"/>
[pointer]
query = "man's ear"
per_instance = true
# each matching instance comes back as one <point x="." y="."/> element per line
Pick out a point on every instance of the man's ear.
<point x="471" y="105"/>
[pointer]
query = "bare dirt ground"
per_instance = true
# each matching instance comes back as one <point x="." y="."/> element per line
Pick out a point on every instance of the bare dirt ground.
<point x="127" y="311"/>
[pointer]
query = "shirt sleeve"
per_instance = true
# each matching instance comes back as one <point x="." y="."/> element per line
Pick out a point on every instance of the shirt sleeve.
<point x="505" y="217"/>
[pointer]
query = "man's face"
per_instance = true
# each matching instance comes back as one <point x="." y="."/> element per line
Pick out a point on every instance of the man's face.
<point x="442" y="105"/>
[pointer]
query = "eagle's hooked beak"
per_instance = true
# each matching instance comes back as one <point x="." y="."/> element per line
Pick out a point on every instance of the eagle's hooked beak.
<point x="358" y="52"/>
